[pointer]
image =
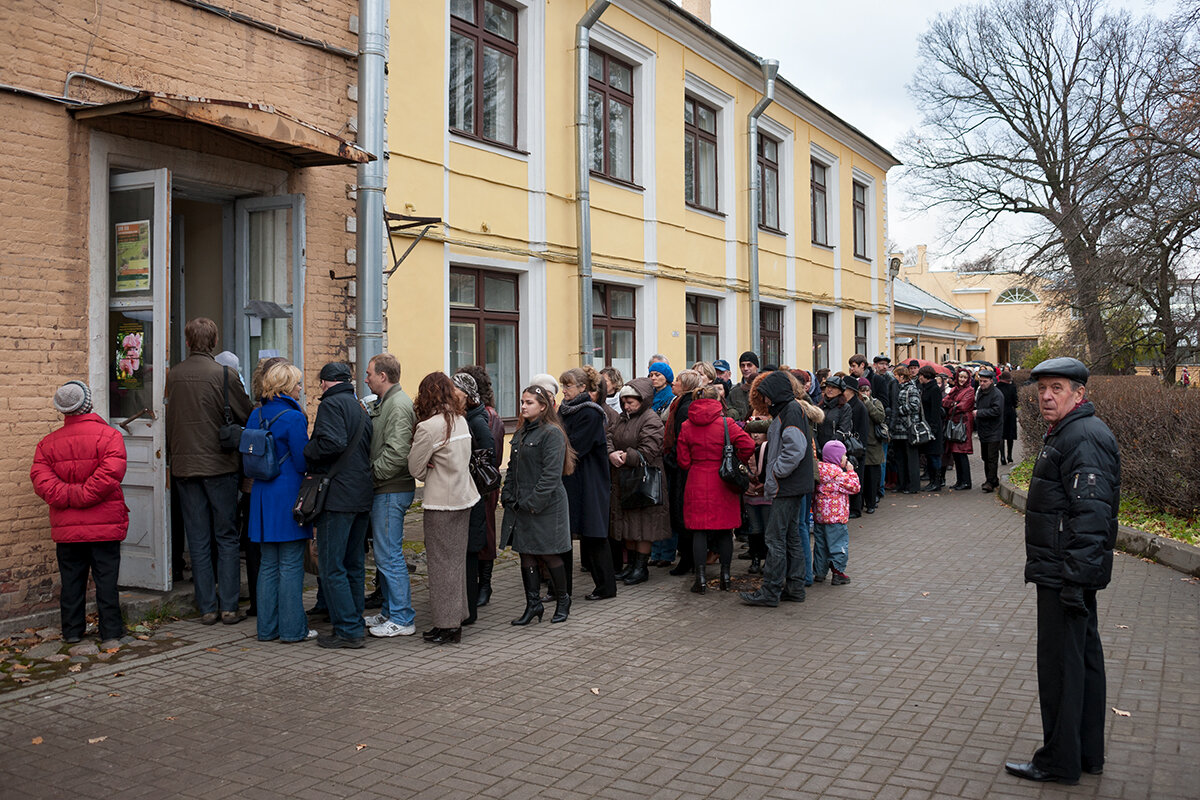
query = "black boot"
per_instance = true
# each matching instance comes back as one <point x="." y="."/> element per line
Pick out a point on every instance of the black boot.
<point x="639" y="573"/>
<point x="725" y="579"/>
<point x="623" y="573"/>
<point x="558" y="580"/>
<point x="700" y="585"/>
<point x="485" y="583"/>
<point x="533" y="599"/>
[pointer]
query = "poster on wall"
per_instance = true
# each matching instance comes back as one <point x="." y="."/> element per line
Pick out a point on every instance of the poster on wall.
<point x="131" y="337"/>
<point x="133" y="256"/>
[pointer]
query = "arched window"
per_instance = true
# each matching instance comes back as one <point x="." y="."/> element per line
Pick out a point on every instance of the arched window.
<point x="1017" y="294"/>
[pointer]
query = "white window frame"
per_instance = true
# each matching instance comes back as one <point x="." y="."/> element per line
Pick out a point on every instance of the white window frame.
<point x="723" y="104"/>
<point x="643" y="60"/>
<point x="870" y="239"/>
<point x="787" y="185"/>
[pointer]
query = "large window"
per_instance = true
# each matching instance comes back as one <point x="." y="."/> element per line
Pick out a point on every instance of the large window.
<point x="820" y="340"/>
<point x="768" y="183"/>
<point x="699" y="154"/>
<point x="703" y="329"/>
<point x="484" y="325"/>
<point x="861" y="326"/>
<point x="820" y="208"/>
<point x="483" y="70"/>
<point x="860" y="221"/>
<point x="1017" y="294"/>
<point x="614" y="328"/>
<point x="770" y="335"/>
<point x="610" y="106"/>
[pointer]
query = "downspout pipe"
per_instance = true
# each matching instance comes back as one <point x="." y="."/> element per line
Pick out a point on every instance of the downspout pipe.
<point x="921" y="321"/>
<point x="372" y="181"/>
<point x="583" y="200"/>
<point x="770" y="69"/>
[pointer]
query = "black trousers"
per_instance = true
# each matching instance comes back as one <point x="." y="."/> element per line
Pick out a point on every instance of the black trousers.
<point x="908" y="465"/>
<point x="856" y="500"/>
<point x="962" y="469"/>
<point x="870" y="485"/>
<point x="990" y="451"/>
<point x="104" y="561"/>
<point x="1071" y="686"/>
<point x="600" y="564"/>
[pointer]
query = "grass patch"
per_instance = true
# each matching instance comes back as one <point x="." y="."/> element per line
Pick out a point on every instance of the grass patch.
<point x="1134" y="511"/>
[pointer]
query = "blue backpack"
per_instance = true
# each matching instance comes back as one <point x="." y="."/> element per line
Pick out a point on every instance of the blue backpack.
<point x="257" y="447"/>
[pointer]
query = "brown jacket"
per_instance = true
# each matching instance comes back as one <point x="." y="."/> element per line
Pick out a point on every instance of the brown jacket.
<point x="195" y="410"/>
<point x="641" y="437"/>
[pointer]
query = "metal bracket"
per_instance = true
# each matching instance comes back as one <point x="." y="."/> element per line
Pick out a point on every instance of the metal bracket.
<point x="396" y="223"/>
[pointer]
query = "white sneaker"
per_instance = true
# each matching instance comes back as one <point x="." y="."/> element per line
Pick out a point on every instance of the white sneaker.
<point x="390" y="628"/>
<point x="374" y="620"/>
<point x="312" y="634"/>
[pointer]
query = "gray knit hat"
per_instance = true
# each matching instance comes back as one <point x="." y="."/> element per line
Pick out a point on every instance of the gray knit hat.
<point x="73" y="397"/>
<point x="468" y="386"/>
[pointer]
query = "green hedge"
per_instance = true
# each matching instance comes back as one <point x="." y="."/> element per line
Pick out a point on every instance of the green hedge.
<point x="1157" y="428"/>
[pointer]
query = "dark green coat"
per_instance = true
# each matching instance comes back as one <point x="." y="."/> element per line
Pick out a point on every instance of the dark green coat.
<point x="536" y="514"/>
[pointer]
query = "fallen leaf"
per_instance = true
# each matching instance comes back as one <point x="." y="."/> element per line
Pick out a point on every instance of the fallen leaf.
<point x="97" y="740"/>
<point x="75" y="668"/>
<point x="924" y="594"/>
<point x="142" y="637"/>
<point x="22" y="679"/>
<point x="595" y="690"/>
<point x="36" y="740"/>
<point x="1123" y="627"/>
<point x="112" y="650"/>
<point x="20" y="666"/>
<point x="114" y="694"/>
<point x="117" y="674"/>
<point x="358" y="747"/>
<point x="1119" y="712"/>
<point x="211" y="650"/>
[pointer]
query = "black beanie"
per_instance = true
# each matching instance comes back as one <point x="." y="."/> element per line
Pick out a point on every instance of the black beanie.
<point x="750" y="356"/>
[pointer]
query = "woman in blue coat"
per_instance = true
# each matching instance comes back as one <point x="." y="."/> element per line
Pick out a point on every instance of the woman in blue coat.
<point x="281" y="575"/>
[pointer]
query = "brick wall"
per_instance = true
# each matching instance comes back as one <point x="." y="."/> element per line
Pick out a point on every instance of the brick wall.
<point x="158" y="45"/>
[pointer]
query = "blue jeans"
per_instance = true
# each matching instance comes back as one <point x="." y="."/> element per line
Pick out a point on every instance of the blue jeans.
<point x="883" y="469"/>
<point x="281" y="592"/>
<point x="784" y="568"/>
<point x="209" y="508"/>
<point x="387" y="523"/>
<point x="832" y="547"/>
<point x="664" y="549"/>
<point x="341" y="539"/>
<point x="806" y="540"/>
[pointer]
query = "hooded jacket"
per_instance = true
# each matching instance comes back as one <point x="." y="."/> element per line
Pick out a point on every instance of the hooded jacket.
<point x="640" y="437"/>
<point x="1071" y="514"/>
<point x="708" y="502"/>
<point x="789" y="470"/>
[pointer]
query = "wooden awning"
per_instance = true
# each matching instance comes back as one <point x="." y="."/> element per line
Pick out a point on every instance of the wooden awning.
<point x="303" y="144"/>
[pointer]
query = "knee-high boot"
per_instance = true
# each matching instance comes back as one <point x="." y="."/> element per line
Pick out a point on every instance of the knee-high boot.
<point x="485" y="583"/>
<point x="558" y="580"/>
<point x="640" y="573"/>
<point x="533" y="597"/>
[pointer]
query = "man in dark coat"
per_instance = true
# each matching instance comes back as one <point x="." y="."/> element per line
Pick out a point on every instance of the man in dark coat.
<point x="739" y="396"/>
<point x="789" y="479"/>
<point x="1070" y="531"/>
<point x="886" y="389"/>
<point x="1011" y="398"/>
<point x="204" y="474"/>
<point x="860" y="426"/>
<point x="989" y="422"/>
<point x="931" y="406"/>
<point x="342" y="427"/>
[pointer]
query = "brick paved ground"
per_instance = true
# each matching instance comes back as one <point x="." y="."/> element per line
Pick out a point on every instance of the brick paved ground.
<point x="915" y="681"/>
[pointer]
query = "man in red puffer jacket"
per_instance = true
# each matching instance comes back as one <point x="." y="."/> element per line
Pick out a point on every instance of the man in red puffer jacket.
<point x="77" y="470"/>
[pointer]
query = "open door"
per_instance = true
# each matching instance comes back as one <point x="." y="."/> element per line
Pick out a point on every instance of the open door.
<point x="139" y="234"/>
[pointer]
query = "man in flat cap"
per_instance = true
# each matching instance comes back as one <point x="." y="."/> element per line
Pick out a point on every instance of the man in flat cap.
<point x="341" y="444"/>
<point x="1070" y="531"/>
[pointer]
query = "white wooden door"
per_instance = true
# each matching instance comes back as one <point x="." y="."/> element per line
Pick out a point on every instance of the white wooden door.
<point x="139" y="232"/>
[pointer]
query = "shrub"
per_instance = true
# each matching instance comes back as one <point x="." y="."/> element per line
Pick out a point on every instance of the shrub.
<point x="1156" y="430"/>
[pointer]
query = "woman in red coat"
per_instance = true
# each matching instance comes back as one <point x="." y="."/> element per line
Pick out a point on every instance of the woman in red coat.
<point x="960" y="407"/>
<point x="77" y="469"/>
<point x="710" y="506"/>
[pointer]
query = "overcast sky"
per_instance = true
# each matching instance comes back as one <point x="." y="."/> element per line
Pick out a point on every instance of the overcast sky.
<point x="855" y="57"/>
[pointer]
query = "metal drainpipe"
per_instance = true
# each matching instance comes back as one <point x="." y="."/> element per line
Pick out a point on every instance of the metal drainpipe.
<point x="924" y="313"/>
<point x="372" y="180"/>
<point x="770" y="68"/>
<point x="583" y="200"/>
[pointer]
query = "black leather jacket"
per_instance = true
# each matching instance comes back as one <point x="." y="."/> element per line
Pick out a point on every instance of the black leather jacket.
<point x="1071" y="516"/>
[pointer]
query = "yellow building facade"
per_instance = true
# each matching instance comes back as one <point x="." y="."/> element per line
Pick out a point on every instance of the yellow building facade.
<point x="481" y="136"/>
<point x="1013" y="312"/>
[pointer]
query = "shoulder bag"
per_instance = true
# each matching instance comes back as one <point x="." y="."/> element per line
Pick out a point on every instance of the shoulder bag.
<point x="956" y="430"/>
<point x="640" y="486"/>
<point x="229" y="434"/>
<point x="735" y="474"/>
<point x="257" y="446"/>
<point x="483" y="470"/>
<point x="314" y="489"/>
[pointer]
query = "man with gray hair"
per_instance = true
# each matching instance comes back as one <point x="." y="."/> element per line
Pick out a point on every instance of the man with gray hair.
<point x="391" y="439"/>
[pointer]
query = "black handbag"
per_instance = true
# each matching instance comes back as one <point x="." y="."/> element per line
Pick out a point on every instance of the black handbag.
<point x="956" y="430"/>
<point x="735" y="474"/>
<point x="640" y="486"/>
<point x="483" y="471"/>
<point x="314" y="488"/>
<point x="230" y="434"/>
<point x="854" y="447"/>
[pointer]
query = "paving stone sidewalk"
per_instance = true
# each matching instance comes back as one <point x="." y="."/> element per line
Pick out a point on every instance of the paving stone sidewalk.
<point x="914" y="681"/>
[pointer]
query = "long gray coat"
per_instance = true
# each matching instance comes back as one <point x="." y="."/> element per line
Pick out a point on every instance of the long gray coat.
<point x="641" y="437"/>
<point x="536" y="514"/>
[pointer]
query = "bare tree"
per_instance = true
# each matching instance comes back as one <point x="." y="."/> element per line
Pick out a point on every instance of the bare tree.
<point x="1018" y="121"/>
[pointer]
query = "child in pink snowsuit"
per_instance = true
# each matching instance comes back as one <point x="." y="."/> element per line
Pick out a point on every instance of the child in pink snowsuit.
<point x="836" y="481"/>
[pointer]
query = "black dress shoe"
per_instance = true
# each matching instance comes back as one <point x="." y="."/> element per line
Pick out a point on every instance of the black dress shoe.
<point x="429" y="634"/>
<point x="870" y="510"/>
<point x="599" y="596"/>
<point x="1092" y="770"/>
<point x="447" y="636"/>
<point x="1029" y="772"/>
<point x="855" y="514"/>
<point x="333" y="642"/>
<point x="757" y="599"/>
